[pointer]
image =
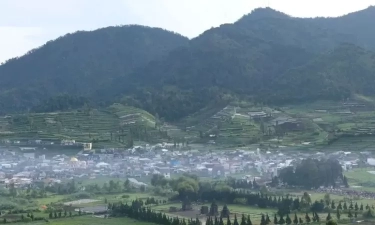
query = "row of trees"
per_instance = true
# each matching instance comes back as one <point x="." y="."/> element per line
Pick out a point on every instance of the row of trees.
<point x="136" y="211"/>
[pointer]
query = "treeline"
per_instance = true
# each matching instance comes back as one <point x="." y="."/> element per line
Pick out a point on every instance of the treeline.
<point x="60" y="103"/>
<point x="137" y="211"/>
<point x="312" y="173"/>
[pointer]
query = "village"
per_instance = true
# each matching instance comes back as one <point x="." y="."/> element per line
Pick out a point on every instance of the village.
<point x="24" y="166"/>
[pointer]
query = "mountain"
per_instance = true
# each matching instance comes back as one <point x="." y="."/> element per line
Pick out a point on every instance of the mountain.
<point x="81" y="62"/>
<point x="220" y="63"/>
<point x="266" y="56"/>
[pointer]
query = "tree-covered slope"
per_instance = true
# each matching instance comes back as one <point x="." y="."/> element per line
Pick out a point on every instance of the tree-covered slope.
<point x="266" y="56"/>
<point x="222" y="61"/>
<point x="346" y="70"/>
<point x="81" y="62"/>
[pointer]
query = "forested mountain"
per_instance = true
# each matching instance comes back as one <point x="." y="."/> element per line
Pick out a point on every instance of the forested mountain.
<point x="266" y="56"/>
<point x="81" y="62"/>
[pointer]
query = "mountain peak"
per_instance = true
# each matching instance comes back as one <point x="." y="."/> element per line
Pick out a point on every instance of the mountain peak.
<point x="263" y="13"/>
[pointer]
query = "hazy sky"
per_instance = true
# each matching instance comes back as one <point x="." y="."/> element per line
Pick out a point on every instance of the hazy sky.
<point x="26" y="24"/>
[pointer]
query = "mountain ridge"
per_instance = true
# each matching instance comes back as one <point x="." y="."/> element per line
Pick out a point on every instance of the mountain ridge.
<point x="258" y="58"/>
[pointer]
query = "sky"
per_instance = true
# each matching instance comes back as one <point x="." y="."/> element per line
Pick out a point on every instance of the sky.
<point x="27" y="24"/>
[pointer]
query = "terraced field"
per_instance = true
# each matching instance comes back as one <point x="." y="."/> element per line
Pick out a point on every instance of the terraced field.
<point x="108" y="127"/>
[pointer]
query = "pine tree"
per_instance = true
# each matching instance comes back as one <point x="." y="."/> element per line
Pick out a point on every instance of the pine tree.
<point x="300" y="221"/>
<point x="350" y="215"/>
<point x="275" y="221"/>
<point x="228" y="221"/>
<point x="338" y="215"/>
<point x="221" y="222"/>
<point x="355" y="214"/>
<point x="339" y="206"/>
<point x="295" y="220"/>
<point x="235" y="222"/>
<point x="345" y="206"/>
<point x="367" y="207"/>
<point x="333" y="206"/>
<point x="268" y="221"/>
<point x="249" y="220"/>
<point x="243" y="220"/>
<point x="361" y="207"/>
<point x="329" y="216"/>
<point x="225" y="211"/>
<point x="351" y="205"/>
<point x="317" y="218"/>
<point x="281" y="220"/>
<point x="262" y="220"/>
<point x="356" y="206"/>
<point x="50" y="215"/>
<point x="307" y="218"/>
<point x="208" y="221"/>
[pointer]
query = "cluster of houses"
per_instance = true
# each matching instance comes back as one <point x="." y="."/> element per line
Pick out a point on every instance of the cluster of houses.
<point x="141" y="162"/>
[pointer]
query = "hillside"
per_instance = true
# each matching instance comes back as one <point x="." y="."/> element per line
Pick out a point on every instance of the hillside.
<point x="114" y="126"/>
<point x="337" y="75"/>
<point x="265" y="57"/>
<point x="81" y="62"/>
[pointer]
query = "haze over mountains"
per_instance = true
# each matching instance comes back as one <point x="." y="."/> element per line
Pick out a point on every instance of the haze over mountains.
<point x="266" y="56"/>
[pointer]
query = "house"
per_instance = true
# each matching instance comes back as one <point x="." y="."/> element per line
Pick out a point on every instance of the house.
<point x="258" y="115"/>
<point x="166" y="172"/>
<point x="287" y="124"/>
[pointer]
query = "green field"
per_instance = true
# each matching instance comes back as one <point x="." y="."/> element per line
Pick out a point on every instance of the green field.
<point x="106" y="127"/>
<point x="321" y="123"/>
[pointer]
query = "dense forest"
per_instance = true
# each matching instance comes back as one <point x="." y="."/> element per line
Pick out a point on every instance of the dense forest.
<point x="80" y="63"/>
<point x="266" y="56"/>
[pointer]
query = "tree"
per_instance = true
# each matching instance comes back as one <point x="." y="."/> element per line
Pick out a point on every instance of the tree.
<point x="345" y="181"/>
<point x="225" y="211"/>
<point x="331" y="222"/>
<point x="221" y="222"/>
<point x="243" y="220"/>
<point x="275" y="220"/>
<point x="307" y="218"/>
<point x="329" y="216"/>
<point x="333" y="206"/>
<point x="268" y="220"/>
<point x="263" y="220"/>
<point x="350" y="215"/>
<point x="228" y="221"/>
<point x="248" y="222"/>
<point x="327" y="199"/>
<point x="338" y="215"/>
<point x="345" y="206"/>
<point x="300" y="220"/>
<point x="235" y="222"/>
<point x="295" y="220"/>
<point x="281" y="220"/>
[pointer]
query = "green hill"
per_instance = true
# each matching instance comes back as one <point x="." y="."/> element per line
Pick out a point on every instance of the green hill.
<point x="80" y="63"/>
<point x="266" y="57"/>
